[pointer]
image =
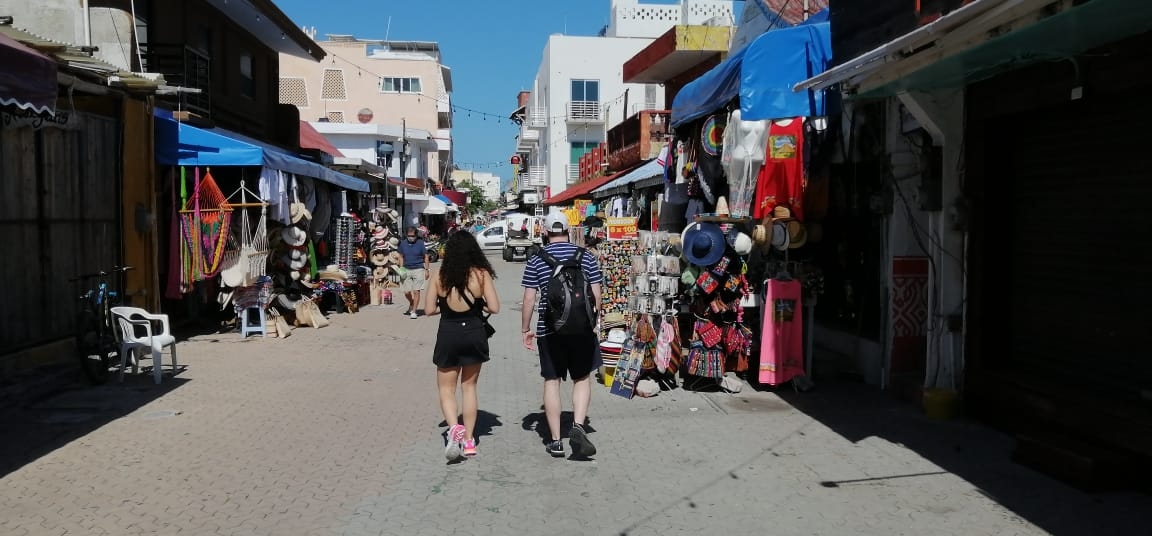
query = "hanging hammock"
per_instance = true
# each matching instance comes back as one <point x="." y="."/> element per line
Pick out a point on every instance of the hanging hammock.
<point x="205" y="222"/>
<point x="246" y="263"/>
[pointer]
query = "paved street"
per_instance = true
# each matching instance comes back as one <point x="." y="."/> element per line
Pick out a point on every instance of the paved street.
<point x="335" y="432"/>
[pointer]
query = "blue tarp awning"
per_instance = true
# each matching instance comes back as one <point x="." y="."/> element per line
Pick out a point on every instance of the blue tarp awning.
<point x="775" y="62"/>
<point x="762" y="75"/>
<point x="653" y="168"/>
<point x="712" y="90"/>
<point x="178" y="144"/>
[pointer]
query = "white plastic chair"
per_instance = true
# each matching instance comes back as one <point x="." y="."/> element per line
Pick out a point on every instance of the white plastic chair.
<point x="131" y="320"/>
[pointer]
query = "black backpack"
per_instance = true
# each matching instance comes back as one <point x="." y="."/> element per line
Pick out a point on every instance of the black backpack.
<point x="568" y="296"/>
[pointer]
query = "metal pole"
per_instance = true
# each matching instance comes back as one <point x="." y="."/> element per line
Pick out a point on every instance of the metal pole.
<point x="403" y="173"/>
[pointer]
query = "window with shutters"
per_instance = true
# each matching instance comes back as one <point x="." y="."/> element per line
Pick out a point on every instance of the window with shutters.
<point x="334" y="87"/>
<point x="293" y="91"/>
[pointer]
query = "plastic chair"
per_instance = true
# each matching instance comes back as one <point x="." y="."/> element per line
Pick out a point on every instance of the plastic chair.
<point x="131" y="320"/>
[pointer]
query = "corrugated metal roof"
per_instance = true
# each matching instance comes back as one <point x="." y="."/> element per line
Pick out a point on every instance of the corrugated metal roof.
<point x="76" y="59"/>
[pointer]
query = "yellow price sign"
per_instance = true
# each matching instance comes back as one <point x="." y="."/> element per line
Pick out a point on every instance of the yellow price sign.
<point x="623" y="228"/>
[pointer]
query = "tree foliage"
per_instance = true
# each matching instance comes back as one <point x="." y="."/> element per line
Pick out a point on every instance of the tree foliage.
<point x="477" y="203"/>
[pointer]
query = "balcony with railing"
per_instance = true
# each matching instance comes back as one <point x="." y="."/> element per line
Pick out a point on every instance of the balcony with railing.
<point x="527" y="139"/>
<point x="537" y="176"/>
<point x="538" y="117"/>
<point x="585" y="112"/>
<point x="573" y="173"/>
<point x="183" y="66"/>
<point x="638" y="138"/>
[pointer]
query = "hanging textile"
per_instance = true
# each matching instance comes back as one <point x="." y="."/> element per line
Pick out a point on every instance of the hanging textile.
<point x="781" y="179"/>
<point x="205" y="227"/>
<point x="782" y="337"/>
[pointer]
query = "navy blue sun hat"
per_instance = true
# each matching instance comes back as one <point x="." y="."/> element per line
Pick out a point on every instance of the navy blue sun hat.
<point x="703" y="243"/>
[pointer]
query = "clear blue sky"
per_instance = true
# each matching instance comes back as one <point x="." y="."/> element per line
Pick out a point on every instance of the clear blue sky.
<point x="493" y="48"/>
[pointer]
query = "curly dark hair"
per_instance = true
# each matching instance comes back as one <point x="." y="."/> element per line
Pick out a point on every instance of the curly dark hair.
<point x="462" y="254"/>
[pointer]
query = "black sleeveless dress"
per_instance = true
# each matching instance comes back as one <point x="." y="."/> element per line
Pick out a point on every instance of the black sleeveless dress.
<point x="461" y="339"/>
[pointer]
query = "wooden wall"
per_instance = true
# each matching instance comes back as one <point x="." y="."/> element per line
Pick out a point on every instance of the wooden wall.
<point x="59" y="216"/>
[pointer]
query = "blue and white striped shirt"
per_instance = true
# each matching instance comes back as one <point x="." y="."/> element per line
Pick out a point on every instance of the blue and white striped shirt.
<point x="537" y="274"/>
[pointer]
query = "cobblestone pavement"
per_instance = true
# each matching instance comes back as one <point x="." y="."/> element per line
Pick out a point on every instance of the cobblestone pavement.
<point x="336" y="432"/>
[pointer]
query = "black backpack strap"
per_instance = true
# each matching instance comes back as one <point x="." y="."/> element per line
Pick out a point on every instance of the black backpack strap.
<point x="547" y="257"/>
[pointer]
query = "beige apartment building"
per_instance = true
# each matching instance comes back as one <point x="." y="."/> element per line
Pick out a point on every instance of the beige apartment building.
<point x="374" y="82"/>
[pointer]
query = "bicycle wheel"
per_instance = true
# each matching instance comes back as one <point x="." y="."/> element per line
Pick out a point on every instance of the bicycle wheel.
<point x="95" y="354"/>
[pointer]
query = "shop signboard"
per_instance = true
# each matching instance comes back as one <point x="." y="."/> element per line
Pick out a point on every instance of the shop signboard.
<point x="623" y="228"/>
<point x="12" y="119"/>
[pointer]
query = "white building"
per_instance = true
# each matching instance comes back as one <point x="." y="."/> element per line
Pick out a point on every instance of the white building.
<point x="358" y="142"/>
<point x="579" y="93"/>
<point x="487" y="182"/>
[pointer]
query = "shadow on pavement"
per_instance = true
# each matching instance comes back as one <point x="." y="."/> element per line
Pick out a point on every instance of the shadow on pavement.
<point x="537" y="422"/>
<point x="974" y="452"/>
<point x="39" y="427"/>
<point x="485" y="422"/>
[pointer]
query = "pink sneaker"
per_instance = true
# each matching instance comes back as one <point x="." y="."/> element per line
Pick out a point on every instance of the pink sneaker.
<point x="470" y="448"/>
<point x="455" y="438"/>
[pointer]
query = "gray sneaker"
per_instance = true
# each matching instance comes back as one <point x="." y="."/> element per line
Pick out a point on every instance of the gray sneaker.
<point x="555" y="449"/>
<point x="581" y="446"/>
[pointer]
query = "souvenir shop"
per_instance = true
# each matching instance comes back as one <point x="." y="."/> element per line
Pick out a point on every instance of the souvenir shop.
<point x="261" y="241"/>
<point x="721" y="284"/>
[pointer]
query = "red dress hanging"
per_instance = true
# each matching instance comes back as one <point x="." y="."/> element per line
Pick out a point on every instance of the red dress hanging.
<point x="781" y="179"/>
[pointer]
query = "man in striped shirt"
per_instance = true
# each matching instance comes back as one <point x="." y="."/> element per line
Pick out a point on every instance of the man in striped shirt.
<point x="562" y="354"/>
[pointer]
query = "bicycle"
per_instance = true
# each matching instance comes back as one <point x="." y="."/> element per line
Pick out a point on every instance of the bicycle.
<point x="96" y="341"/>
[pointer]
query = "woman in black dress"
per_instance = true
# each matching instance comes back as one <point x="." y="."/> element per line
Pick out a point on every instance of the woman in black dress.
<point x="461" y="292"/>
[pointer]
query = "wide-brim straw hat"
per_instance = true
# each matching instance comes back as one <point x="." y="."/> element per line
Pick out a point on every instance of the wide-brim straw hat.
<point x="298" y="212"/>
<point x="332" y="273"/>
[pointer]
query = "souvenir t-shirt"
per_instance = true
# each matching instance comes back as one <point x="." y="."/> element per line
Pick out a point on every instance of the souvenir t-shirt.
<point x="781" y="180"/>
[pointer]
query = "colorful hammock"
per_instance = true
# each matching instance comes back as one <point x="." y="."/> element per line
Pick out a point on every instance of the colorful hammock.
<point x="205" y="221"/>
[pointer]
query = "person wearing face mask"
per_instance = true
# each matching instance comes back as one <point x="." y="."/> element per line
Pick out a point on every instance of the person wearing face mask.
<point x="415" y="255"/>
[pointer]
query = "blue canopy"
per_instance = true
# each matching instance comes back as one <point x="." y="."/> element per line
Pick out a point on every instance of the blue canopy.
<point x="762" y="75"/>
<point x="654" y="168"/>
<point x="710" y="91"/>
<point x="775" y="62"/>
<point x="178" y="144"/>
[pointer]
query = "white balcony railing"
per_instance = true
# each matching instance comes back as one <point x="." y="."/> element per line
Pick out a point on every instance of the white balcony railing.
<point x="573" y="173"/>
<point x="537" y="176"/>
<point x="529" y="134"/>
<point x="585" y="112"/>
<point x="538" y="118"/>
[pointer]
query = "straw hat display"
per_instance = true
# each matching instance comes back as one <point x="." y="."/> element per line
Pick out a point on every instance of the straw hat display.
<point x="395" y="258"/>
<point x="298" y="212"/>
<point x="779" y="230"/>
<point x="722" y="207"/>
<point x="332" y="273"/>
<point x="378" y="258"/>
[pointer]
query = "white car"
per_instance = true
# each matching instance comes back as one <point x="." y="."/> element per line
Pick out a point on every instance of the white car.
<point x="493" y="236"/>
